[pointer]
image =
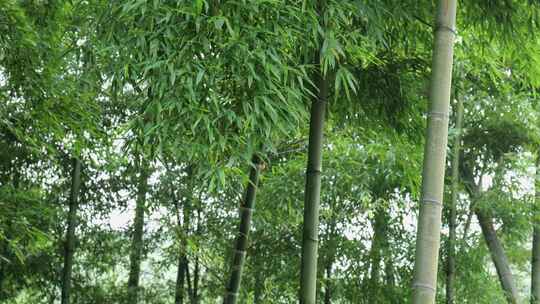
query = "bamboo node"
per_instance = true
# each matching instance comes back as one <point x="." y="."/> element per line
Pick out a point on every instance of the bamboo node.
<point x="243" y="234"/>
<point x="242" y="208"/>
<point x="315" y="171"/>
<point x="313" y="239"/>
<point x="447" y="28"/>
<point x="241" y="252"/>
<point x="231" y="294"/>
<point x="439" y="115"/>
<point x="424" y="286"/>
<point x="432" y="201"/>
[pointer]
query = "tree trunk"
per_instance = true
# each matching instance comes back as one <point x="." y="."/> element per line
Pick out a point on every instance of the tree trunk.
<point x="379" y="242"/>
<point x="180" y="275"/>
<point x="535" y="263"/>
<point x="188" y="282"/>
<point x="137" y="240"/>
<point x="375" y="266"/>
<point x="498" y="256"/>
<point x="308" y="268"/>
<point x="429" y="218"/>
<point x="389" y="270"/>
<point x="239" y="255"/>
<point x="196" y="277"/>
<point x="184" y="226"/>
<point x="328" y="286"/>
<point x="379" y="249"/>
<point x="69" y="247"/>
<point x="451" y="264"/>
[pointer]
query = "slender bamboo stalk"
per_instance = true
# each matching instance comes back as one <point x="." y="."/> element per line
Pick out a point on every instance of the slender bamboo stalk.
<point x="197" y="270"/>
<point x="535" y="262"/>
<point x="239" y="255"/>
<point x="379" y="242"/>
<point x="308" y="275"/>
<point x="180" y="275"/>
<point x="184" y="225"/>
<point x="180" y="268"/>
<point x="498" y="256"/>
<point x="389" y="270"/>
<point x="188" y="281"/>
<point x="137" y="240"/>
<point x="328" y="286"/>
<point x="429" y="219"/>
<point x="196" y="278"/>
<point x="69" y="248"/>
<point x="451" y="263"/>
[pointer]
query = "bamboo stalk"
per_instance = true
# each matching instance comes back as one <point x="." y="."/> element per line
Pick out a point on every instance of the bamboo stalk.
<point x="429" y="219"/>
<point x="246" y="211"/>
<point x="308" y="275"/>
<point x="137" y="239"/>
<point x="535" y="262"/>
<point x="69" y="248"/>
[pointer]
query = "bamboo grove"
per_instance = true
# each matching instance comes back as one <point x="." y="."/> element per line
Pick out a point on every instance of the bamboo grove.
<point x="269" y="151"/>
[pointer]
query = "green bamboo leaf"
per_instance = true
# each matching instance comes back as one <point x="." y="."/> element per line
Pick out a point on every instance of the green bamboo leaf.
<point x="200" y="75"/>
